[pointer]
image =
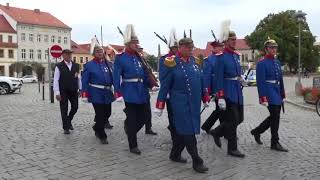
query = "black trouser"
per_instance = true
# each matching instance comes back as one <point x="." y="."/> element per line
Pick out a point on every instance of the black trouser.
<point x="136" y="116"/>
<point x="66" y="96"/>
<point x="214" y="116"/>
<point x="188" y="141"/>
<point x="102" y="114"/>
<point x="170" y="118"/>
<point x="272" y="121"/>
<point x="232" y="117"/>
<point x="148" y="117"/>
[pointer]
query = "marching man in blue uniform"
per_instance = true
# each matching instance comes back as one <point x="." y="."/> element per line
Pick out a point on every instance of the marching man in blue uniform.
<point x="271" y="94"/>
<point x="181" y="79"/>
<point x="173" y="49"/>
<point x="229" y="92"/>
<point x="97" y="88"/>
<point x="209" y="81"/>
<point x="131" y="85"/>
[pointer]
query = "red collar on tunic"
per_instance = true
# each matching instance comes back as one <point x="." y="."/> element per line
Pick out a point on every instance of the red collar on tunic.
<point x="171" y="53"/>
<point x="97" y="60"/>
<point x="269" y="56"/>
<point x="184" y="59"/>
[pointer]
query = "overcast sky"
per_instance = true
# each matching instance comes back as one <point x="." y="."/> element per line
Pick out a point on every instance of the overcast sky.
<point x="86" y="17"/>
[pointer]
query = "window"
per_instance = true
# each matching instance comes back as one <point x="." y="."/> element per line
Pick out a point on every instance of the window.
<point x="74" y="59"/>
<point x="10" y="52"/>
<point x="1" y="53"/>
<point x="59" y="39"/>
<point x="23" y="36"/>
<point x="39" y="54"/>
<point x="52" y="39"/>
<point x="31" y="37"/>
<point x="46" y="38"/>
<point x="46" y="54"/>
<point x="87" y="59"/>
<point x="1" y="40"/>
<point x="246" y="57"/>
<point x="23" y="53"/>
<point x="9" y="39"/>
<point x="81" y="60"/>
<point x="31" y="53"/>
<point x="39" y="38"/>
<point x="65" y="40"/>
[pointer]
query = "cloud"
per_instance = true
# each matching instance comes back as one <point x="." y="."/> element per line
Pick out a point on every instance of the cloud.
<point x="85" y="17"/>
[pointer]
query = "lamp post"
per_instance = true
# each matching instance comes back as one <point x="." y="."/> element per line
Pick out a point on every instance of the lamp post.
<point x="300" y="17"/>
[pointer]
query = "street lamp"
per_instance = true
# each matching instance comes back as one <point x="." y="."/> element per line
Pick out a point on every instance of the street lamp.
<point x="301" y="18"/>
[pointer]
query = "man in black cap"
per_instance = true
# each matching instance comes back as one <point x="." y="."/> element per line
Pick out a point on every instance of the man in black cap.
<point x="66" y="85"/>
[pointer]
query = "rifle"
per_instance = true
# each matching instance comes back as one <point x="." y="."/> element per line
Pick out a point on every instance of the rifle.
<point x="152" y="78"/>
<point x="161" y="38"/>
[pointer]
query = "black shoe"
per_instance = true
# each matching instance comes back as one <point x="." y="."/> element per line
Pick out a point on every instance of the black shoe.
<point x="236" y="153"/>
<point x="277" y="147"/>
<point x="200" y="168"/>
<point x="135" y="151"/>
<point x="104" y="141"/>
<point x="206" y="130"/>
<point x="257" y="138"/>
<point x="66" y="131"/>
<point x="108" y="126"/>
<point x="151" y="132"/>
<point x="71" y="127"/>
<point x="178" y="159"/>
<point x="216" y="139"/>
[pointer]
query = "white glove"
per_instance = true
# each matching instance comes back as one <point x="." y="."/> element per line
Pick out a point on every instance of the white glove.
<point x="222" y="104"/>
<point x="158" y="112"/>
<point x="206" y="104"/>
<point x="84" y="99"/>
<point x="155" y="88"/>
<point x="243" y="82"/>
<point x="119" y="99"/>
<point x="265" y="104"/>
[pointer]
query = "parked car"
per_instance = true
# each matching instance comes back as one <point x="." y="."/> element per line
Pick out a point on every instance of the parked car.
<point x="250" y="77"/>
<point x="9" y="84"/>
<point x="29" y="79"/>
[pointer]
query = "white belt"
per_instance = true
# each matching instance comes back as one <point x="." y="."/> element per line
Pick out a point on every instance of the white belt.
<point x="133" y="80"/>
<point x="272" y="81"/>
<point x="100" y="86"/>
<point x="233" y="79"/>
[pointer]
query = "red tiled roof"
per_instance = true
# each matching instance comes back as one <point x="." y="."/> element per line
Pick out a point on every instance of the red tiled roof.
<point x="36" y="17"/>
<point x="5" y="26"/>
<point x="241" y="45"/>
<point x="77" y="49"/>
<point x="8" y="45"/>
<point x="118" y="48"/>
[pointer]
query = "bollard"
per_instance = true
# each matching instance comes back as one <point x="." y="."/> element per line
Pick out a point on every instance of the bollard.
<point x="43" y="88"/>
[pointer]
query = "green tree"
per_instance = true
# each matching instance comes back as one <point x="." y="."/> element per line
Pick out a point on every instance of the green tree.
<point x="38" y="69"/>
<point x="152" y="61"/>
<point x="283" y="27"/>
<point x="17" y="67"/>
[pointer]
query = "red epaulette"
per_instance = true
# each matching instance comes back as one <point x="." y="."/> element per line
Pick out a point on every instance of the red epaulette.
<point x="237" y="53"/>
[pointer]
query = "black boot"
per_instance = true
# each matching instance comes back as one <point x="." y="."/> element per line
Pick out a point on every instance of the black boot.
<point x="178" y="159"/>
<point x="236" y="153"/>
<point x="216" y="139"/>
<point x="198" y="166"/>
<point x="150" y="131"/>
<point x="66" y="131"/>
<point x="277" y="147"/>
<point x="135" y="151"/>
<point x="71" y="127"/>
<point x="256" y="137"/>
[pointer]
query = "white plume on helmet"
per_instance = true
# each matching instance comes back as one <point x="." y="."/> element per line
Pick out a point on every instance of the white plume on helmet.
<point x="129" y="34"/>
<point x="173" y="40"/>
<point x="224" y="30"/>
<point x="93" y="44"/>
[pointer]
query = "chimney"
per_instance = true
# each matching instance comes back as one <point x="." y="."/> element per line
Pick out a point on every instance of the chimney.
<point x="37" y="10"/>
<point x="7" y="6"/>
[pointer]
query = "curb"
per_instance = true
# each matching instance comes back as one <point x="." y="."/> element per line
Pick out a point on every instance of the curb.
<point x="300" y="105"/>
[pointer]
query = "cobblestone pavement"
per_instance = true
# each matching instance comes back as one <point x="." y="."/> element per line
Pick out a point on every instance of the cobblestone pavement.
<point x="33" y="146"/>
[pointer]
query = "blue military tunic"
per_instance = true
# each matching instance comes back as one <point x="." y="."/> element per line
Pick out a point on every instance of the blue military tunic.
<point x="228" y="68"/>
<point x="182" y="80"/>
<point x="127" y="66"/>
<point x="270" y="81"/>
<point x="98" y="73"/>
<point x="209" y="79"/>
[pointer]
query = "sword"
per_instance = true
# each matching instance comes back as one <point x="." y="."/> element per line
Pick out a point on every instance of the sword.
<point x="282" y="105"/>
